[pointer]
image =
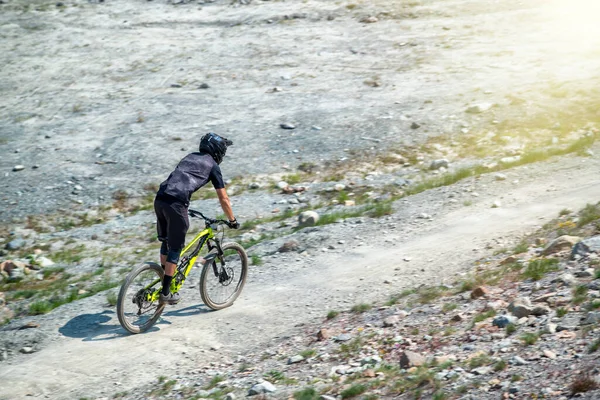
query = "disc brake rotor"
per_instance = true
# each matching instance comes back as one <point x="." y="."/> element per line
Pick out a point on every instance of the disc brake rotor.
<point x="226" y="276"/>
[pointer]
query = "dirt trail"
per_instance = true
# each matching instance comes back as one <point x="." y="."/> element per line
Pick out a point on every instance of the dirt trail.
<point x="95" y="357"/>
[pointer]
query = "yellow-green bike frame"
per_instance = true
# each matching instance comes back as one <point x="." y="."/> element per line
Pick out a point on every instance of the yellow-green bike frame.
<point x="186" y="263"/>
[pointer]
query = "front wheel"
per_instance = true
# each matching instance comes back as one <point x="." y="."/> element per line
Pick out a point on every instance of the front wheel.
<point x="138" y="307"/>
<point x="223" y="278"/>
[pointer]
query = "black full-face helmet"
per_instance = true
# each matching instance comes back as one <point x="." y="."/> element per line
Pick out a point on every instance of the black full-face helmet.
<point x="214" y="145"/>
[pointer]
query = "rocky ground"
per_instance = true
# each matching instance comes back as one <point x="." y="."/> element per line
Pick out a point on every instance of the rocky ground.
<point x="524" y="323"/>
<point x="409" y="139"/>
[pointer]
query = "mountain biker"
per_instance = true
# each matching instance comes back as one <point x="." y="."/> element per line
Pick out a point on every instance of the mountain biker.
<point x="173" y="198"/>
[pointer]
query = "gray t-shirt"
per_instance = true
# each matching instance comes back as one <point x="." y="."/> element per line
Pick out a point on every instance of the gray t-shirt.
<point x="192" y="172"/>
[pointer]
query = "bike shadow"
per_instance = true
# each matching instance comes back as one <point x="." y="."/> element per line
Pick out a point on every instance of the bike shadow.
<point x="98" y="327"/>
<point x="187" y="311"/>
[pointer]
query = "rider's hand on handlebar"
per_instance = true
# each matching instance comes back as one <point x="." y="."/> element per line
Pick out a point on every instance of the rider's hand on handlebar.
<point x="234" y="224"/>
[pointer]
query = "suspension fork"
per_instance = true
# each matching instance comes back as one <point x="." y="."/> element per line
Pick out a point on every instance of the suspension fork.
<point x="219" y="254"/>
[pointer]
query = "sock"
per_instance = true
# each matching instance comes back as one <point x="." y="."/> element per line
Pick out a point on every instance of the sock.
<point x="166" y="289"/>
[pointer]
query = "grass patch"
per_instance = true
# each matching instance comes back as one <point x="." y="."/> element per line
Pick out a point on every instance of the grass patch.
<point x="361" y="308"/>
<point x="479" y="361"/>
<point x="397" y="297"/>
<point x="275" y="376"/>
<point x="69" y="256"/>
<point x="500" y="366"/>
<point x="530" y="338"/>
<point x="429" y="294"/>
<point x="214" y="382"/>
<point x="111" y="298"/>
<point x="306" y="394"/>
<point x="538" y="268"/>
<point x="580" y="294"/>
<point x="40" y="307"/>
<point x="521" y="248"/>
<point x="590" y="213"/>
<point x="510" y="329"/>
<point x="164" y="388"/>
<point x="484" y="315"/>
<point x="48" y="272"/>
<point x="583" y="383"/>
<point x="351" y="348"/>
<point x="332" y="314"/>
<point x="292" y="179"/>
<point x="561" y="312"/>
<point x="256" y="259"/>
<point x="447" y="307"/>
<point x="594" y="346"/>
<point x="308" y="353"/>
<point x="381" y="209"/>
<point x="353" y="391"/>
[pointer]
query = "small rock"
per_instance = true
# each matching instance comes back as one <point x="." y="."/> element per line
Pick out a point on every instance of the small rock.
<point x="482" y="370"/>
<point x="254" y="185"/>
<point x="503" y="320"/>
<point x="27" y="350"/>
<point x="478" y="108"/>
<point x="479" y="291"/>
<point x="44" y="262"/>
<point x="567" y="279"/>
<point x="323" y="334"/>
<point x="540" y="310"/>
<point x="391" y="321"/>
<point x="295" y="359"/>
<point x="593" y="317"/>
<point x="497" y="204"/>
<point x="263" y="387"/>
<point x="371" y="360"/>
<point x="286" y="125"/>
<point x="230" y="396"/>
<point x="549" y="354"/>
<point x="458" y="318"/>
<point x="410" y="359"/>
<point x="586" y="246"/>
<point x="203" y="86"/>
<point x="437" y="164"/>
<point x="500" y="177"/>
<point x="369" y="373"/>
<point x="29" y="325"/>
<point x="15" y="244"/>
<point x="520" y="307"/>
<point x="564" y="242"/>
<point x="344" y="337"/>
<point x="414" y="125"/>
<point x="519" y="361"/>
<point x="585" y="273"/>
<point x="289" y="246"/>
<point x="307" y="218"/>
<point x="369" y="20"/>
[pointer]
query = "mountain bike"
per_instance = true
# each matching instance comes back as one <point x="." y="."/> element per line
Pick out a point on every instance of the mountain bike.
<point x="223" y="276"/>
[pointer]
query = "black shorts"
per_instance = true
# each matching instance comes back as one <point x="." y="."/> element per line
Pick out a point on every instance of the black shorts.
<point x="172" y="222"/>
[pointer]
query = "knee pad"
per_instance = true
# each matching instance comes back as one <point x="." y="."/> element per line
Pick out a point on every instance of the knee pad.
<point x="173" y="256"/>
<point x="164" y="249"/>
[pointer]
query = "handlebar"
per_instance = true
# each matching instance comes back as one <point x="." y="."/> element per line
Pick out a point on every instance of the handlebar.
<point x="209" y="221"/>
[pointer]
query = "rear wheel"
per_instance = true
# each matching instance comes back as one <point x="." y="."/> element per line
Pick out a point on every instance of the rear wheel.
<point x="223" y="278"/>
<point x="136" y="309"/>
